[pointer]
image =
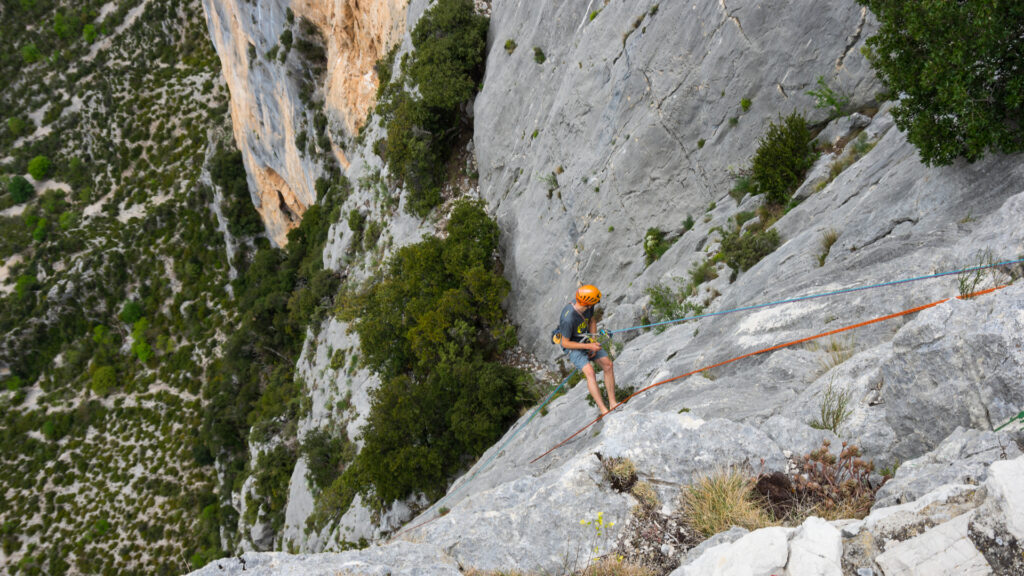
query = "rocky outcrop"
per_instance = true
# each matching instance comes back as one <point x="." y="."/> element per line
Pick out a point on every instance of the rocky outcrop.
<point x="267" y="112"/>
<point x="954" y="529"/>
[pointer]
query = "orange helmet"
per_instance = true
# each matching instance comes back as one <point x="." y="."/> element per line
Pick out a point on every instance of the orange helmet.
<point x="588" y="295"/>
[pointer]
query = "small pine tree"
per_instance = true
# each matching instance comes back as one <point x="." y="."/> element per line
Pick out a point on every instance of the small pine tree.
<point x="783" y="157"/>
<point x="20" y="189"/>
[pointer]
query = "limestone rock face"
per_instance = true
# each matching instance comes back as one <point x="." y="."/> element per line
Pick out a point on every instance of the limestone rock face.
<point x="638" y="112"/>
<point x="267" y="113"/>
<point x="962" y="458"/>
<point x="400" y="559"/>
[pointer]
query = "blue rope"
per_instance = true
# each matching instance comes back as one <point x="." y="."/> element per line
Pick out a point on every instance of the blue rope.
<point x="505" y="443"/>
<point x="810" y="297"/>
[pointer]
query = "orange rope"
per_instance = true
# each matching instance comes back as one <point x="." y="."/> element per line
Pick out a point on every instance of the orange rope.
<point x="770" y="349"/>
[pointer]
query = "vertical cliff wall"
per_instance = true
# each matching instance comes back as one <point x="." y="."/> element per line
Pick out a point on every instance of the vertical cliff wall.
<point x="599" y="120"/>
<point x="267" y="112"/>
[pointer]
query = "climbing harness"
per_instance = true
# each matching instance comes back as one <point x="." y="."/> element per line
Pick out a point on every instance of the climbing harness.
<point x="769" y="349"/>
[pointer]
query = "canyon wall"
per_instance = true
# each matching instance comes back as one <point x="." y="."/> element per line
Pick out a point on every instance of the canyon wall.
<point x="267" y="110"/>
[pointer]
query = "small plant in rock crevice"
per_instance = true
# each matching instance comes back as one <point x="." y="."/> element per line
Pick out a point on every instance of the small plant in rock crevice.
<point x="620" y="472"/>
<point x="836" y="487"/>
<point x="827" y="97"/>
<point x="828" y="238"/>
<point x="833" y="408"/>
<point x="655" y="245"/>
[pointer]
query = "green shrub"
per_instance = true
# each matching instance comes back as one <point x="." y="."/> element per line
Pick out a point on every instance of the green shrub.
<point x="272" y="474"/>
<point x="782" y="159"/>
<point x="446" y="67"/>
<point x="30" y="54"/>
<point x="39" y="233"/>
<point x="89" y="33"/>
<point x="825" y="97"/>
<point x="104" y="379"/>
<point x="326" y="456"/>
<point x="510" y="45"/>
<point x="742" y="186"/>
<point x="949" y="63"/>
<point x="745" y="104"/>
<point x="140" y="347"/>
<point x="131" y="312"/>
<point x="20" y="189"/>
<point x="227" y="171"/>
<point x="538" y="55"/>
<point x="742" y="251"/>
<point x="655" y="245"/>
<point x="701" y="272"/>
<point x="449" y="42"/>
<point x="19" y="126"/>
<point x="39" y="167"/>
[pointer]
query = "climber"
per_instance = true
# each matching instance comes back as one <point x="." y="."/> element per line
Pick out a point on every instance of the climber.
<point x="573" y="334"/>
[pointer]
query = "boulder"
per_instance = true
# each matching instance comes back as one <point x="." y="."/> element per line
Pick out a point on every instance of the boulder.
<point x="962" y="458"/>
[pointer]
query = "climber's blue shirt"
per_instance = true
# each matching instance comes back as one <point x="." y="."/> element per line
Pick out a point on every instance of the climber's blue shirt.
<point x="574" y="325"/>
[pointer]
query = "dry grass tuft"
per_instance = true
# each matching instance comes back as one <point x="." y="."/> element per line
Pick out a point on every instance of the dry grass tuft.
<point x="615" y="567"/>
<point x="828" y="238"/>
<point x="837" y="351"/>
<point x="646" y="495"/>
<point x="620" y="472"/>
<point x="721" y="500"/>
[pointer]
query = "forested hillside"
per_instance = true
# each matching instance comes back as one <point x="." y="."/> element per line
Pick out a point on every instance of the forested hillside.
<point x="114" y="285"/>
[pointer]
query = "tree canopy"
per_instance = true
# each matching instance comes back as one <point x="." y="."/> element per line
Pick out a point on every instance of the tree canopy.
<point x="432" y="328"/>
<point x="958" y="69"/>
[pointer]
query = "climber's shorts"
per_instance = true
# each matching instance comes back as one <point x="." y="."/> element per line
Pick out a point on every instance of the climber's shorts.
<point x="580" y="358"/>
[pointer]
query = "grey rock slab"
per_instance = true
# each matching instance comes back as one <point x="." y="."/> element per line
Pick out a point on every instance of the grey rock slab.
<point x="514" y="500"/>
<point x="731" y="535"/>
<point x="963" y="457"/>
<point x="797" y="437"/>
<point x="959" y="364"/>
<point x="996" y="527"/>
<point x="398" y="559"/>
<point x="1007" y="492"/>
<point x="816" y="549"/>
<point x="942" y="551"/>
<point x="762" y="552"/>
<point x="299" y="507"/>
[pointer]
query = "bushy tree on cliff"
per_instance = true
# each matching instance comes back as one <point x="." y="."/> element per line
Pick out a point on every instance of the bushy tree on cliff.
<point x="432" y="328"/>
<point x="449" y="42"/>
<point x="958" y="69"/>
<point x="445" y="67"/>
